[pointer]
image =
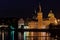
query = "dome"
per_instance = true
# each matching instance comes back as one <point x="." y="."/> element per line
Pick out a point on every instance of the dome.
<point x="50" y="14"/>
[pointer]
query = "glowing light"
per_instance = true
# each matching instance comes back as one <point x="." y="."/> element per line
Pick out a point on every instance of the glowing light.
<point x="12" y="32"/>
<point x="26" y="33"/>
<point x="20" y="22"/>
<point x="12" y="27"/>
<point x="12" y="35"/>
<point x="2" y="35"/>
<point x="26" y="27"/>
<point x="56" y="22"/>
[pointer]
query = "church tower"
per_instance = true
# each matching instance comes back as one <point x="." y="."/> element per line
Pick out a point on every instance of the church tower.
<point x="40" y="17"/>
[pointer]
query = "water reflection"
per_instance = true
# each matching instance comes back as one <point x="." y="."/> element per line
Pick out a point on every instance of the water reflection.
<point x="19" y="36"/>
<point x="12" y="35"/>
<point x="33" y="36"/>
<point x="4" y="35"/>
<point x="0" y="35"/>
<point x="27" y="36"/>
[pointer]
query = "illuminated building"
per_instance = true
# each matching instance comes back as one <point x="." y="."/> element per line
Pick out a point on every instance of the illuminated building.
<point x="20" y="22"/>
<point x="3" y="34"/>
<point x="21" y="25"/>
<point x="52" y="18"/>
<point x="40" y="18"/>
<point x="32" y="25"/>
<point x="38" y="23"/>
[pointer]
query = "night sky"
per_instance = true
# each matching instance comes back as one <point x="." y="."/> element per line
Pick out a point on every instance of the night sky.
<point x="26" y="8"/>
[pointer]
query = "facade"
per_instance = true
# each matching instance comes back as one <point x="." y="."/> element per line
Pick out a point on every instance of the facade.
<point x="20" y="22"/>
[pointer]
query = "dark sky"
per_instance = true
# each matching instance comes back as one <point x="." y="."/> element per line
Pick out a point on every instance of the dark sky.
<point x="25" y="8"/>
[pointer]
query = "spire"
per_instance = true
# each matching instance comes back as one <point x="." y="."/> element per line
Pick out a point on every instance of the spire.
<point x="50" y="11"/>
<point x="39" y="7"/>
<point x="34" y="16"/>
<point x="35" y="11"/>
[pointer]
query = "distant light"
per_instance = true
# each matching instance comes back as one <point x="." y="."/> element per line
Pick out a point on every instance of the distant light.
<point x="12" y="27"/>
<point x="3" y="25"/>
<point x="58" y="20"/>
<point x="26" y="27"/>
<point x="12" y="35"/>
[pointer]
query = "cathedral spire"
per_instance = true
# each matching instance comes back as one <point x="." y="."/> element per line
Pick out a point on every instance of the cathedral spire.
<point x="39" y="7"/>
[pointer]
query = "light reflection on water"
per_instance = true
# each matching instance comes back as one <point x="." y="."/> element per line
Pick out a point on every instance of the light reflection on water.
<point x="12" y="32"/>
<point x="12" y="35"/>
<point x="27" y="37"/>
<point x="33" y="36"/>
